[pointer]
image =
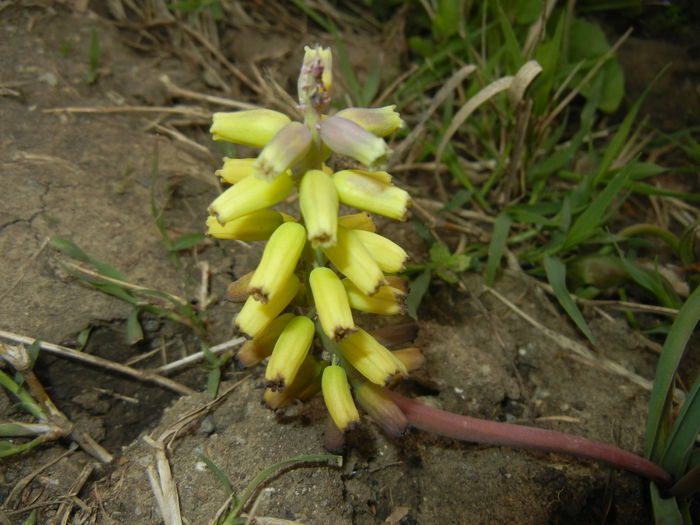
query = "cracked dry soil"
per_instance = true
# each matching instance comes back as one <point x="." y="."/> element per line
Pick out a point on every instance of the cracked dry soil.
<point x="87" y="177"/>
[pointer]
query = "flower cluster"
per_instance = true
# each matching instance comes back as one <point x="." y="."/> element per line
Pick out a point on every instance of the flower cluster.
<point x="317" y="268"/>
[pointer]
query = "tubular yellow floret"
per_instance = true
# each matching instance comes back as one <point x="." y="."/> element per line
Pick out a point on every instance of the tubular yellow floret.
<point x="387" y="301"/>
<point x="286" y="148"/>
<point x="260" y="347"/>
<point x="252" y="127"/>
<point x="378" y="121"/>
<point x="331" y="303"/>
<point x="249" y="195"/>
<point x="371" y="359"/>
<point x="235" y="170"/>
<point x="352" y="259"/>
<point x="255" y="316"/>
<point x="289" y="352"/>
<point x="371" y="191"/>
<point x="256" y="226"/>
<point x="389" y="256"/>
<point x="357" y="221"/>
<point x="338" y="398"/>
<point x="279" y="259"/>
<point x="412" y="358"/>
<point x="306" y="384"/>
<point x="318" y="201"/>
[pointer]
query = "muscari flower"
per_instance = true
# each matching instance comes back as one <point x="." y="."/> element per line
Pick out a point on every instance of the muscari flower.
<point x="293" y="154"/>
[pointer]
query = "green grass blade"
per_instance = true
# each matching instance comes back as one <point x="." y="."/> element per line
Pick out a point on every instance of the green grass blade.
<point x="268" y="472"/>
<point x="683" y="433"/>
<point x="218" y="473"/>
<point x="588" y="223"/>
<point x="419" y="286"/>
<point x="188" y="240"/>
<point x="75" y="251"/>
<point x="134" y="332"/>
<point x="499" y="237"/>
<point x="671" y="355"/>
<point x="556" y="275"/>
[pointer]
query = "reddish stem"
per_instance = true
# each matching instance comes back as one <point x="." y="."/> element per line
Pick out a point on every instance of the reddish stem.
<point x="506" y="434"/>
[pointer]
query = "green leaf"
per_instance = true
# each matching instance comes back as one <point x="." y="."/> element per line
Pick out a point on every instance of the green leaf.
<point x="666" y="511"/>
<point x="371" y="83"/>
<point x="499" y="237"/>
<point x="588" y="223"/>
<point x="33" y="351"/>
<point x="253" y="486"/>
<point x="83" y="337"/>
<point x="417" y="290"/>
<point x="669" y="360"/>
<point x="218" y="473"/>
<point x="188" y="240"/>
<point x="556" y="275"/>
<point x="683" y="434"/>
<point x="134" y="332"/>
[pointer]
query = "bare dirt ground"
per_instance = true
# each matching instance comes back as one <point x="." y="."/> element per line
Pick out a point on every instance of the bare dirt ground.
<point x="88" y="177"/>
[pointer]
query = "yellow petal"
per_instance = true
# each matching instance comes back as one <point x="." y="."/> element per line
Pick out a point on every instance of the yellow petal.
<point x="338" y="398"/>
<point x="252" y="127"/>
<point x="331" y="303"/>
<point x="371" y="191"/>
<point x="249" y="195"/>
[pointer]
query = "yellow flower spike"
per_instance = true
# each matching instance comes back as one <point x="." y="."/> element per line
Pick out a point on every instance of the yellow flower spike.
<point x="318" y="201"/>
<point x="378" y="121"/>
<point x="387" y="301"/>
<point x="316" y="77"/>
<point x="255" y="316"/>
<point x="338" y="398"/>
<point x="373" y="192"/>
<point x="290" y="350"/>
<point x="331" y="303"/>
<point x="252" y="127"/>
<point x="412" y="358"/>
<point x="235" y="170"/>
<point x="306" y="384"/>
<point x="249" y="195"/>
<point x="284" y="150"/>
<point x="352" y="140"/>
<point x="380" y="407"/>
<point x="256" y="226"/>
<point x="260" y="347"/>
<point x="278" y="261"/>
<point x="389" y="256"/>
<point x="358" y="221"/>
<point x="371" y="359"/>
<point x="352" y="259"/>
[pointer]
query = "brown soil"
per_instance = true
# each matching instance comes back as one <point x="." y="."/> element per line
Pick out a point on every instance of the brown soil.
<point x="88" y="178"/>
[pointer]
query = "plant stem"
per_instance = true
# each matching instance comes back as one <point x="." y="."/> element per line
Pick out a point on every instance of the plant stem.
<point x="466" y="428"/>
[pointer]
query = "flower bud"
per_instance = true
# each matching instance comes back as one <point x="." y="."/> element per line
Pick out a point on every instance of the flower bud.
<point x="255" y="316"/>
<point x="338" y="398"/>
<point x="256" y="226"/>
<point x="380" y="407"/>
<point x="387" y="300"/>
<point x="260" y="347"/>
<point x="389" y="256"/>
<point x="371" y="359"/>
<point x="357" y="221"/>
<point x="352" y="259"/>
<point x="378" y="121"/>
<point x="371" y="191"/>
<point x="237" y="291"/>
<point x="251" y="127"/>
<point x="412" y="358"/>
<point x="352" y="140"/>
<point x="235" y="170"/>
<point x="249" y="195"/>
<point x="318" y="201"/>
<point x="331" y="303"/>
<point x="286" y="148"/>
<point x="279" y="259"/>
<point x="316" y="77"/>
<point x="289" y="353"/>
